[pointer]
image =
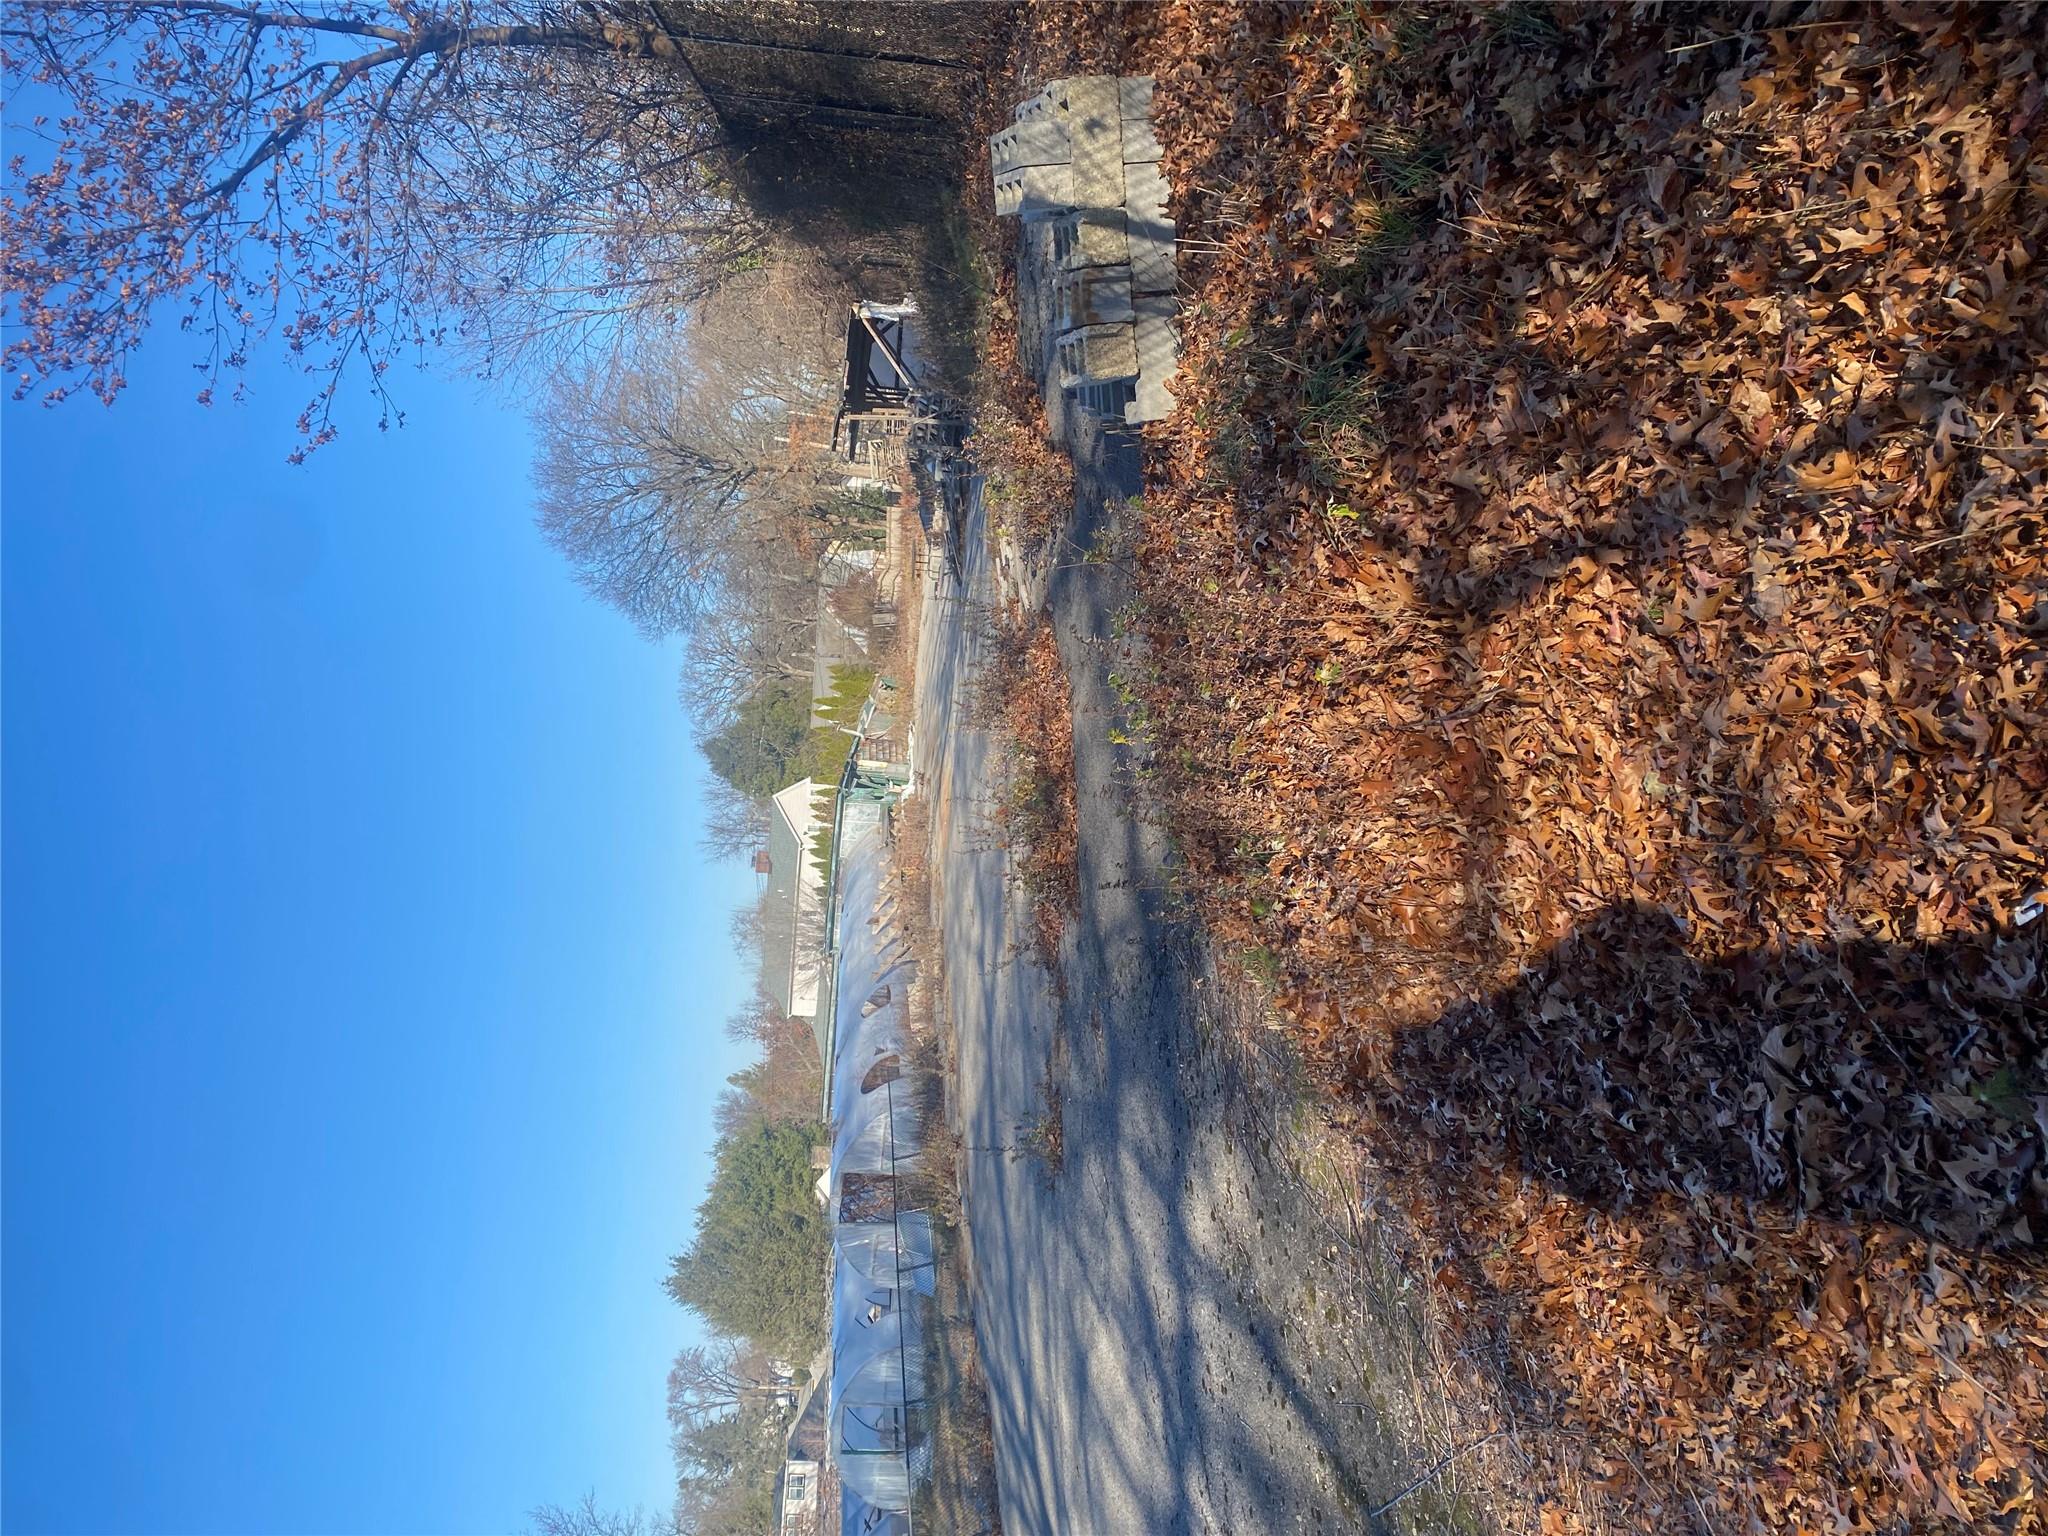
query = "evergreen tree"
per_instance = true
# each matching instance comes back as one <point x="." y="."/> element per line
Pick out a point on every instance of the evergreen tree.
<point x="757" y="1265"/>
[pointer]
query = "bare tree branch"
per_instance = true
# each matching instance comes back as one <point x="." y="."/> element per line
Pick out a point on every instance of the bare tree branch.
<point x="365" y="179"/>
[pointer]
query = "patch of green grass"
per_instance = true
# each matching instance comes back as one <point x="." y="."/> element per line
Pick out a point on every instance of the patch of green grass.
<point x="1400" y="163"/>
<point x="1386" y="232"/>
<point x="1358" y="41"/>
<point x="1525" y="22"/>
<point x="1437" y="1508"/>
<point x="1416" y="30"/>
<point x="1339" y="420"/>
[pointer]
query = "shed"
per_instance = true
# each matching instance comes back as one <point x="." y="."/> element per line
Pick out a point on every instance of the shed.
<point x="879" y="392"/>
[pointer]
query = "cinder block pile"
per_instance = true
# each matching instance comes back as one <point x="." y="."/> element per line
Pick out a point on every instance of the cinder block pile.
<point x="1082" y="157"/>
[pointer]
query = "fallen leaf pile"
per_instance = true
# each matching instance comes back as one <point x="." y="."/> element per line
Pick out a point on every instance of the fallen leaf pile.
<point x="1022" y="693"/>
<point x="1028" y="479"/>
<point x="1595" y="578"/>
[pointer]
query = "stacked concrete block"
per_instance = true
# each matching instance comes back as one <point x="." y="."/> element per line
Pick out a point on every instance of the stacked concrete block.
<point x="1035" y="192"/>
<point x="1134" y="113"/>
<point x="1150" y="231"/>
<point x="1092" y="352"/>
<point x="1041" y="141"/>
<point x="1097" y="136"/>
<point x="1083" y="155"/>
<point x="1157" y="345"/>
<point x="1088" y="237"/>
<point x="1050" y="101"/>
<point x="1102" y="238"/>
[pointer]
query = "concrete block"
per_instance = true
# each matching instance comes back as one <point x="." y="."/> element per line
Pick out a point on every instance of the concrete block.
<point x="1141" y="144"/>
<point x="1035" y="191"/>
<point x="1098" y="352"/>
<point x="1097" y="137"/>
<point x="1134" y="96"/>
<point x="1098" y="178"/>
<point x="1101" y="239"/>
<point x="1145" y="191"/>
<point x="1154" y="400"/>
<point x="1090" y="97"/>
<point x="1155" y="272"/>
<point x="1157" y="345"/>
<point x="1150" y="233"/>
<point x="1158" y="348"/>
<point x="1041" y="141"/>
<point x="1045" y="103"/>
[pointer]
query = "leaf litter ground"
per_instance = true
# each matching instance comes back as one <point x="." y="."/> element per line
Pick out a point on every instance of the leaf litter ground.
<point x="1594" y="578"/>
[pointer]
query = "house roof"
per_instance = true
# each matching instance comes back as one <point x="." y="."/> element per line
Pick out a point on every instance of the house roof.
<point x="791" y="888"/>
<point x="778" y="924"/>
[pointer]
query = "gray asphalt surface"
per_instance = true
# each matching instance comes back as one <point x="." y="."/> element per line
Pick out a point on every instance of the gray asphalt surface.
<point x="1155" y="1320"/>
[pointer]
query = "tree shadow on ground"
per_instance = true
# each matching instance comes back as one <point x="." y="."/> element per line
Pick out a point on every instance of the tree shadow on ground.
<point x="1762" y="1229"/>
<point x="1901" y="1083"/>
<point x="1496" y="394"/>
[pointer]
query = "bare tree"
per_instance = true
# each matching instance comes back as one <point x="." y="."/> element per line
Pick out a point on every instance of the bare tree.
<point x="667" y="480"/>
<point x="762" y="1021"/>
<point x="854" y="601"/>
<point x="749" y="929"/>
<point x="365" y="178"/>
<point x="776" y="331"/>
<point x="784" y="1082"/>
<point x="779" y="1089"/>
<point x="735" y="826"/>
<point x="637" y="494"/>
<point x="709" y="1381"/>
<point x="762" y="624"/>
<point x="586" y="1519"/>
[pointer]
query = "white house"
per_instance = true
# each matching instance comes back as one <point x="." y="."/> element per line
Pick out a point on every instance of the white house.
<point x="791" y="944"/>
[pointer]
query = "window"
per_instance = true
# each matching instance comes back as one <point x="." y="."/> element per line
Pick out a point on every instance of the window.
<point x="798" y="1486"/>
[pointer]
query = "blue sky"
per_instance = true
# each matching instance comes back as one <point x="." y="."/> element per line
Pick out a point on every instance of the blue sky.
<point x="362" y="980"/>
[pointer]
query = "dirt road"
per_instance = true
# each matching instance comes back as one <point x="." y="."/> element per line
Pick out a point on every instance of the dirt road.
<point x="1180" y="1328"/>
